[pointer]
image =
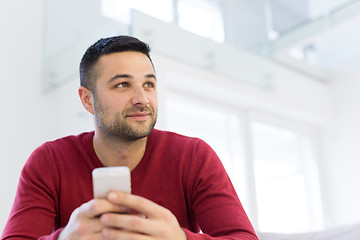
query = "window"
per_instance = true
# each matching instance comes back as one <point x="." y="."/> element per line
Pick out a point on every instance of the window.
<point x="201" y="17"/>
<point x="282" y="159"/>
<point x="119" y="10"/>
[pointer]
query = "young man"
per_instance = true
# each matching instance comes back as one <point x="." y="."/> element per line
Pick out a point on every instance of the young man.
<point x="179" y="185"/>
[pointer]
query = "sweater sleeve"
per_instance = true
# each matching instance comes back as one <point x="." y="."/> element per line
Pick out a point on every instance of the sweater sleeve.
<point x="215" y="204"/>
<point x="34" y="212"/>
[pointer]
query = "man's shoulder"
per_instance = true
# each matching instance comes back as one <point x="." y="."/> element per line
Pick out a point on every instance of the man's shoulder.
<point x="156" y="133"/>
<point x="64" y="149"/>
<point x="168" y="138"/>
<point x="181" y="148"/>
<point x="72" y="138"/>
<point x="81" y="140"/>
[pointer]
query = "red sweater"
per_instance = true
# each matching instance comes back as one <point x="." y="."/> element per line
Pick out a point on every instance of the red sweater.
<point x="180" y="173"/>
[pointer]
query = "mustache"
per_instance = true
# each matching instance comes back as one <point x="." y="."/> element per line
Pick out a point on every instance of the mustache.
<point x="136" y="109"/>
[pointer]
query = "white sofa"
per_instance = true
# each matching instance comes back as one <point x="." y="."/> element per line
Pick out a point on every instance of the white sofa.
<point x="349" y="232"/>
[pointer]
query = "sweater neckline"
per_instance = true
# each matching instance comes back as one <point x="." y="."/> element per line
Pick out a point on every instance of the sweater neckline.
<point x="139" y="168"/>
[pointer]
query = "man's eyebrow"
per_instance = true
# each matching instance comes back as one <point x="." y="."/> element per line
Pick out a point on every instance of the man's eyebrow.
<point x="119" y="76"/>
<point x="150" y="76"/>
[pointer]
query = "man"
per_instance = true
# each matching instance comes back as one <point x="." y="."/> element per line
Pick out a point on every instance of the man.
<point x="178" y="183"/>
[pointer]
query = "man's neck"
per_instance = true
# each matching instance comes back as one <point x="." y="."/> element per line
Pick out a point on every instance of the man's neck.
<point x="116" y="152"/>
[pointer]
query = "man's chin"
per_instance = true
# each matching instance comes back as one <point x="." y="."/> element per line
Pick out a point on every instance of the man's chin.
<point x="142" y="127"/>
<point x="136" y="133"/>
<point x="134" y="136"/>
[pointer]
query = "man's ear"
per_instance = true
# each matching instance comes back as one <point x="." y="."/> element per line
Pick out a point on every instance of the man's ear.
<point x="86" y="99"/>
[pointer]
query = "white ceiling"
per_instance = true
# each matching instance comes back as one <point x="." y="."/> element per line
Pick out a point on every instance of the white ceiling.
<point x="333" y="37"/>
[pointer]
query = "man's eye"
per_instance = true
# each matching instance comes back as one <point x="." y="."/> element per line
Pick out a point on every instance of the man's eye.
<point x="149" y="85"/>
<point x="123" y="85"/>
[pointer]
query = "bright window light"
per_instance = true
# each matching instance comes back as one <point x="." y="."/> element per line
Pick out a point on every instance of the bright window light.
<point x="281" y="160"/>
<point x="201" y="17"/>
<point x="120" y="10"/>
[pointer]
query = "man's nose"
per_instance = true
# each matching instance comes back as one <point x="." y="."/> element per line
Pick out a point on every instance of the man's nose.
<point x="139" y="98"/>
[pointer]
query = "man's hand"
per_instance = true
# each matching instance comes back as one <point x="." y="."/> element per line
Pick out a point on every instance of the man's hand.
<point x="107" y="219"/>
<point x="84" y="222"/>
<point x="152" y="221"/>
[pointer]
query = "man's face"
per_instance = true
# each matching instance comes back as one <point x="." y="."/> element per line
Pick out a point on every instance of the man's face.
<point x="125" y="99"/>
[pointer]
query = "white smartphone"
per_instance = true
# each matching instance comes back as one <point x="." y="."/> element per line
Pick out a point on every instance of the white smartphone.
<point x="106" y="179"/>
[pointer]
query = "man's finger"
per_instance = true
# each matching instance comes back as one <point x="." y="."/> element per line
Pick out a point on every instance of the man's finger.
<point x="96" y="207"/>
<point x="139" y="204"/>
<point x="129" y="223"/>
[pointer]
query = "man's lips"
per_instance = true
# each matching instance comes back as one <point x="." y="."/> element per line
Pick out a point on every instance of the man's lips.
<point x="138" y="116"/>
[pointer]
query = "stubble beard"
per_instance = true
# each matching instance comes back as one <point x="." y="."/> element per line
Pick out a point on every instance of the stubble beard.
<point x="118" y="128"/>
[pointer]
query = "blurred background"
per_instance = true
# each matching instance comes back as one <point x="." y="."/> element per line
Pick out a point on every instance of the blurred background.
<point x="272" y="85"/>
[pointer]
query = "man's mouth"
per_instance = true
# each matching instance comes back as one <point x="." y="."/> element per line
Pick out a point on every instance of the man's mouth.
<point x="140" y="116"/>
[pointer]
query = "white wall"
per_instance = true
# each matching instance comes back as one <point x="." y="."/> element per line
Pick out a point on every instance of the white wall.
<point x="344" y="164"/>
<point x="20" y="84"/>
<point x="28" y="116"/>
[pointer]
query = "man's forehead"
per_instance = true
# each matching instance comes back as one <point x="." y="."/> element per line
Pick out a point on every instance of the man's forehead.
<point x="124" y="63"/>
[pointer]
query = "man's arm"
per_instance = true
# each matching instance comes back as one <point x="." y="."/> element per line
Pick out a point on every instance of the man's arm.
<point x="33" y="213"/>
<point x="214" y="202"/>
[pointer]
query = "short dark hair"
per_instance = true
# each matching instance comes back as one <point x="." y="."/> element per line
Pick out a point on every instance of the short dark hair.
<point x="106" y="46"/>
